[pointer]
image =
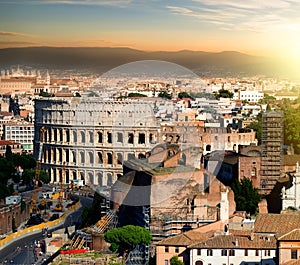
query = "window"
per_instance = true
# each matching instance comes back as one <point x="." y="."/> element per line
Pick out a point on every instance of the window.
<point x="166" y="249"/>
<point x="130" y="138"/>
<point x="82" y="137"/>
<point x="120" y="137"/>
<point x="294" y="254"/>
<point x="209" y="252"/>
<point x="141" y="138"/>
<point x="109" y="179"/>
<point x="256" y="252"/>
<point x="100" y="159"/>
<point x="91" y="136"/>
<point x="198" y="252"/>
<point x="109" y="137"/>
<point x="176" y="249"/>
<point x="224" y="252"/>
<point x="231" y="252"/>
<point x="267" y="252"/>
<point x="166" y="262"/>
<point x="120" y="158"/>
<point x="99" y="137"/>
<point x="246" y="252"/>
<point x="109" y="159"/>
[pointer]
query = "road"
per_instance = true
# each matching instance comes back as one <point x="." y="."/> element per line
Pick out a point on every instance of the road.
<point x="22" y="251"/>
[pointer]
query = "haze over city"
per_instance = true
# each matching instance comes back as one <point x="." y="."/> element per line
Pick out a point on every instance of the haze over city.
<point x="254" y="27"/>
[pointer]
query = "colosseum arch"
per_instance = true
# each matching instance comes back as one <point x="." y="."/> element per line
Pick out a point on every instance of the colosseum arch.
<point x="90" y="178"/>
<point x="82" y="137"/>
<point x="109" y="179"/>
<point x="91" y="158"/>
<point x="74" y="136"/>
<point x="82" y="158"/>
<point x="100" y="179"/>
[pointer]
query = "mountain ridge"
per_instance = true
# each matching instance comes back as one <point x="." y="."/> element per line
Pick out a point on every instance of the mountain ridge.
<point x="101" y="59"/>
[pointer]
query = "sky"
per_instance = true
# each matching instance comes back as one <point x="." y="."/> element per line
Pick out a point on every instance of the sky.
<point x="255" y="27"/>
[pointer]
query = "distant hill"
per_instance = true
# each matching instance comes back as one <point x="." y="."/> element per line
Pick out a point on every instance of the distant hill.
<point x="100" y="60"/>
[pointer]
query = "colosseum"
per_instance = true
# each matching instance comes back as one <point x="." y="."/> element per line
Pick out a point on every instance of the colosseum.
<point x="88" y="138"/>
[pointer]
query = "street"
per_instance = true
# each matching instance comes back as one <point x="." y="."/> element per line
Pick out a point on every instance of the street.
<point x="22" y="251"/>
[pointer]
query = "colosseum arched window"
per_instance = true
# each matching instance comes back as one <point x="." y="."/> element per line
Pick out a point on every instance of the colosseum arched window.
<point x="130" y="138"/>
<point x="91" y="157"/>
<point x="91" y="178"/>
<point x="82" y="157"/>
<point x="100" y="179"/>
<point x="141" y="156"/>
<point x="109" y="179"/>
<point x="100" y="137"/>
<point x="82" y="135"/>
<point x="55" y="135"/>
<point x="120" y="158"/>
<point x="91" y="137"/>
<point x="109" y="159"/>
<point x="100" y="158"/>
<point x="120" y="137"/>
<point x="75" y="136"/>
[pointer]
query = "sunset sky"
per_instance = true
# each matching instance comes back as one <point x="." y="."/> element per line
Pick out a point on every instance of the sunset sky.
<point x="254" y="27"/>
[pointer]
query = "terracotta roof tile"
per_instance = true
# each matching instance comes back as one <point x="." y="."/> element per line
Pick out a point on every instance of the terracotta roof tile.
<point x="278" y="224"/>
<point x="185" y="239"/>
<point x="294" y="235"/>
<point x="237" y="242"/>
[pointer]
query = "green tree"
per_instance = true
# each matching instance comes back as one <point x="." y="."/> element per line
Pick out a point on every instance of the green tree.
<point x="224" y="93"/>
<point x="175" y="261"/>
<point x="126" y="238"/>
<point x="45" y="94"/>
<point x="24" y="161"/>
<point x="267" y="99"/>
<point x="44" y="177"/>
<point x="165" y="95"/>
<point x="130" y="95"/>
<point x="184" y="95"/>
<point x="291" y="123"/>
<point x="257" y="127"/>
<point x="28" y="176"/>
<point x="245" y="195"/>
<point x="8" y="153"/>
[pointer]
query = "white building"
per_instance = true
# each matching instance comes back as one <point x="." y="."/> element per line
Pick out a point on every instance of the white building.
<point x="291" y="195"/>
<point x="233" y="250"/>
<point x="250" y="96"/>
<point x="21" y="132"/>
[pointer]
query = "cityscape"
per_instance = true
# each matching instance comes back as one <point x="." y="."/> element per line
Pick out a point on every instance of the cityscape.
<point x="159" y="133"/>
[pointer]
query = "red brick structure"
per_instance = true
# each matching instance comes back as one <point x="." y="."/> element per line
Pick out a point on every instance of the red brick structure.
<point x="8" y="213"/>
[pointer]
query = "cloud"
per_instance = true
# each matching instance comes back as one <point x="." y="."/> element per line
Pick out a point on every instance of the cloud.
<point x="116" y="3"/>
<point x="14" y="34"/>
<point x="251" y="15"/>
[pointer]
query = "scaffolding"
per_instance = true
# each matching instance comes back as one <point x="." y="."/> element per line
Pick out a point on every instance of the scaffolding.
<point x="107" y="221"/>
<point x="272" y="141"/>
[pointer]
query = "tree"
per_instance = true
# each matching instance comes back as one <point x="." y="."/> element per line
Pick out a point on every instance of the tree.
<point x="8" y="153"/>
<point x="126" y="238"/>
<point x="257" y="127"/>
<point x="291" y="124"/>
<point x="44" y="177"/>
<point x="245" y="195"/>
<point x="267" y="99"/>
<point x="223" y="93"/>
<point x="165" y="95"/>
<point x="130" y="95"/>
<point x="175" y="261"/>
<point x="184" y="95"/>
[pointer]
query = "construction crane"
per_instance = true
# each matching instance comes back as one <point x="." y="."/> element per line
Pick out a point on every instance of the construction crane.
<point x="34" y="198"/>
<point x="59" y="206"/>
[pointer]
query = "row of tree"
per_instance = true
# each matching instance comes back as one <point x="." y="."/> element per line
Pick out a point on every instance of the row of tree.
<point x="19" y="168"/>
